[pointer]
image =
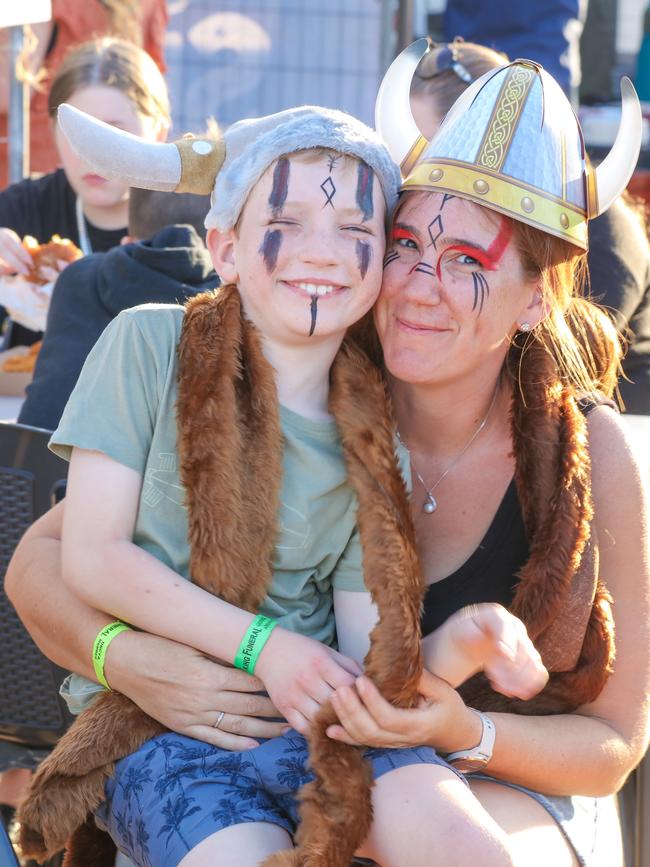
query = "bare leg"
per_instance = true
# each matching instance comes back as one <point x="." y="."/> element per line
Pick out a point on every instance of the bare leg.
<point x="13" y="785"/>
<point x="424" y="815"/>
<point x="533" y="835"/>
<point x="245" y="845"/>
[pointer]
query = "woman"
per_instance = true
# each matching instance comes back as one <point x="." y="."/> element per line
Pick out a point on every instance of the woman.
<point x="446" y="336"/>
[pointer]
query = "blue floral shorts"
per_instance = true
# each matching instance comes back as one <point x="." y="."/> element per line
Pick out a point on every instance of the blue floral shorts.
<point x="171" y="794"/>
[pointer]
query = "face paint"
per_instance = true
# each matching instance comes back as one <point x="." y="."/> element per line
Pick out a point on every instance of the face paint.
<point x="363" y="257"/>
<point x="280" y="186"/>
<point x="481" y="290"/>
<point x="446" y="197"/>
<point x="329" y="189"/>
<point x="435" y="230"/>
<point x="365" y="181"/>
<point x="423" y="268"/>
<point x="313" y="309"/>
<point x="270" y="248"/>
<point x="390" y="257"/>
<point x="487" y="259"/>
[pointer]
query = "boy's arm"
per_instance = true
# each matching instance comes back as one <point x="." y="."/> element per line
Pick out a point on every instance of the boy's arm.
<point x="356" y="616"/>
<point x="107" y="571"/>
<point x="173" y="683"/>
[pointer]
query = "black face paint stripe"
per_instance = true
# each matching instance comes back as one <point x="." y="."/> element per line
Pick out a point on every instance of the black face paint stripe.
<point x="435" y="230"/>
<point x="280" y="186"/>
<point x="365" y="184"/>
<point x="364" y="252"/>
<point x="390" y="257"/>
<point x="481" y="290"/>
<point x="313" y="310"/>
<point x="445" y="198"/>
<point x="270" y="248"/>
<point x="424" y="268"/>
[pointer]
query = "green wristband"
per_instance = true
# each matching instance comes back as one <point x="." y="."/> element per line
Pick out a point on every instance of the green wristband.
<point x="256" y="636"/>
<point x="104" y="638"/>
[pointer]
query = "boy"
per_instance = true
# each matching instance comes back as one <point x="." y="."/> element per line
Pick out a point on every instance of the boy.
<point x="297" y="234"/>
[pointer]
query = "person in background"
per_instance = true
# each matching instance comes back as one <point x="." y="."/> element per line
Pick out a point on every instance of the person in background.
<point x="73" y="22"/>
<point x="163" y="259"/>
<point x="116" y="82"/>
<point x="546" y="31"/>
<point x="619" y="254"/>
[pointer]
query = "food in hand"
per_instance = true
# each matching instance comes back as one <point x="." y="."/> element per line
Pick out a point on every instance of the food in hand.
<point x="57" y="252"/>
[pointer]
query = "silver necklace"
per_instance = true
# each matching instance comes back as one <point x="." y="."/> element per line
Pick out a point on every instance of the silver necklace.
<point x="430" y="503"/>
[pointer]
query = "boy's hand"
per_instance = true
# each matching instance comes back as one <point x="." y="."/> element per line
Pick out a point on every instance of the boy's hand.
<point x="487" y="637"/>
<point x="14" y="258"/>
<point x="301" y="674"/>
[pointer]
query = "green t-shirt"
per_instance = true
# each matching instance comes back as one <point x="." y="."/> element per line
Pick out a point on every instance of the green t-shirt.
<point x="124" y="405"/>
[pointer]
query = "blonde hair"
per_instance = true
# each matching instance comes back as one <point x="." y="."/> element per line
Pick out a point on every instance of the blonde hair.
<point x="115" y="63"/>
<point x="578" y="334"/>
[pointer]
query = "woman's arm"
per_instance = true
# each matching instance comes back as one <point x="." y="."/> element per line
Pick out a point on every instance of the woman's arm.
<point x="591" y="751"/>
<point x="175" y="684"/>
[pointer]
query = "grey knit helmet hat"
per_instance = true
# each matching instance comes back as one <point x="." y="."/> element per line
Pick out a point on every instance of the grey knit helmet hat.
<point x="229" y="167"/>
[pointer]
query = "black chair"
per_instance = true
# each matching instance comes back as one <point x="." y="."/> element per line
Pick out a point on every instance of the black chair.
<point x="32" y="714"/>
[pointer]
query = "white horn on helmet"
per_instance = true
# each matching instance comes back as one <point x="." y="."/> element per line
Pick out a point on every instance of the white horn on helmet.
<point x="188" y="165"/>
<point x="608" y="180"/>
<point x="393" y="117"/>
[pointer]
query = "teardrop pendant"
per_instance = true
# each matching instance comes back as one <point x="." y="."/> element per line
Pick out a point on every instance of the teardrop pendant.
<point x="429" y="506"/>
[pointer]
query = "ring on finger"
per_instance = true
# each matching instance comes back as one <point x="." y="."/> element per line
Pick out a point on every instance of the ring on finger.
<point x="219" y="719"/>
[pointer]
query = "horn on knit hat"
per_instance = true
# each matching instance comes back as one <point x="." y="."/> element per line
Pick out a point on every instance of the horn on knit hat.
<point x="189" y="165"/>
<point x="231" y="166"/>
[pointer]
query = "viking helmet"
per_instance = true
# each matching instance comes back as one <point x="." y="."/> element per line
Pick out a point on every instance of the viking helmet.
<point x="229" y="167"/>
<point x="510" y="142"/>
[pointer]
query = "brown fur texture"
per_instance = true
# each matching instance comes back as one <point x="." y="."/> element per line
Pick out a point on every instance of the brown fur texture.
<point x="230" y="452"/>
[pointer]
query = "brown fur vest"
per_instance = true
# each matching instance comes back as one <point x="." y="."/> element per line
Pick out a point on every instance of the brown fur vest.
<point x="230" y="450"/>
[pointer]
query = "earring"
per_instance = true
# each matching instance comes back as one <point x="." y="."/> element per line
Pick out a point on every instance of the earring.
<point x="525" y="326"/>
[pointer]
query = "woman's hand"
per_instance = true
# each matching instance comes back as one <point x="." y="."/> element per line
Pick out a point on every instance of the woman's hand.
<point x="14" y="258"/>
<point x="301" y="674"/>
<point x="186" y="691"/>
<point x="440" y="720"/>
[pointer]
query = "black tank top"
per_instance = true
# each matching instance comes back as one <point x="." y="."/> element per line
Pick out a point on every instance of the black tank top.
<point x="490" y="573"/>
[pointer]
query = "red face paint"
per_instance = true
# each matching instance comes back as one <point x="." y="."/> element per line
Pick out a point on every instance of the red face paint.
<point x="400" y="234"/>
<point x="488" y="259"/>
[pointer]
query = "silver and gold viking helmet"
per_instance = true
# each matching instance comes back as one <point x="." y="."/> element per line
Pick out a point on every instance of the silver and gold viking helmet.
<point x="510" y="142"/>
<point x="229" y="167"/>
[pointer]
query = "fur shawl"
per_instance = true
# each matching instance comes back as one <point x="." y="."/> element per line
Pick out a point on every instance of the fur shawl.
<point x="230" y="448"/>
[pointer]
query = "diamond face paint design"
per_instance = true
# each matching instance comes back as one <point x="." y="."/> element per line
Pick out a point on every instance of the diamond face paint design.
<point x="313" y="309"/>
<point x="481" y="290"/>
<point x="435" y="230"/>
<point x="365" y="183"/>
<point x="329" y="189"/>
<point x="363" y="257"/>
<point x="270" y="248"/>
<point x="280" y="186"/>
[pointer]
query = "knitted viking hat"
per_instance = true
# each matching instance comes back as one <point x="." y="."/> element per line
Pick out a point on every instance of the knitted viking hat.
<point x="510" y="142"/>
<point x="230" y="167"/>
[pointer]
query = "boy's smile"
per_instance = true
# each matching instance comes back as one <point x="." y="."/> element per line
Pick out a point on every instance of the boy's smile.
<point x="308" y="248"/>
